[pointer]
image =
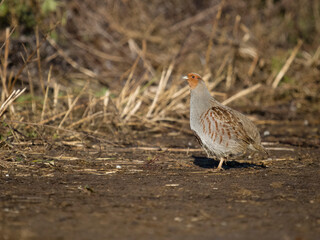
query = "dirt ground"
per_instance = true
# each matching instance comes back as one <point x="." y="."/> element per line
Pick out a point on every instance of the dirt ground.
<point x="136" y="193"/>
<point x="99" y="144"/>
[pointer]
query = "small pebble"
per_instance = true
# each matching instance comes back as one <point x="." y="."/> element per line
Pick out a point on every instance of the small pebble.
<point x="224" y="223"/>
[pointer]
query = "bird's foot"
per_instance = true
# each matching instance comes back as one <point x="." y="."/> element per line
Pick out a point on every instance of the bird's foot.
<point x="219" y="169"/>
<point x="215" y="170"/>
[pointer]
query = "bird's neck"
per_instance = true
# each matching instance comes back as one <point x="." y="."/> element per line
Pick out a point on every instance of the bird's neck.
<point x="200" y="100"/>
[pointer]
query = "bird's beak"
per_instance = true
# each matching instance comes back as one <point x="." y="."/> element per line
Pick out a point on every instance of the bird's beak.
<point x="185" y="77"/>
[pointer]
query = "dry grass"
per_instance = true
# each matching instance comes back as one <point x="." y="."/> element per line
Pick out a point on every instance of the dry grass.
<point x="121" y="71"/>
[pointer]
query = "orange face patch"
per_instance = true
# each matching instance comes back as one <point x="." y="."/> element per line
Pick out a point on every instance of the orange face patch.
<point x="193" y="80"/>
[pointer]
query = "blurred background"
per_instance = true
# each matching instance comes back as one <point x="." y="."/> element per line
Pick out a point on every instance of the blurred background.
<point x="94" y="119"/>
<point x="114" y="65"/>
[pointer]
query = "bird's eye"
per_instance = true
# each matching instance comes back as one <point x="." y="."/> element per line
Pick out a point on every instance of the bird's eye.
<point x="192" y="76"/>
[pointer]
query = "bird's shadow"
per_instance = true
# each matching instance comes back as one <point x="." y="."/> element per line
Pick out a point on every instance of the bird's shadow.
<point x="205" y="162"/>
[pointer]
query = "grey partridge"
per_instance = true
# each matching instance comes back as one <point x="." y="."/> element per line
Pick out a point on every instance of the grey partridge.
<point x="221" y="131"/>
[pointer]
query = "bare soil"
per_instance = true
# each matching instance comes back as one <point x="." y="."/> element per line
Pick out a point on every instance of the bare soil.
<point x="99" y="145"/>
<point x="131" y="193"/>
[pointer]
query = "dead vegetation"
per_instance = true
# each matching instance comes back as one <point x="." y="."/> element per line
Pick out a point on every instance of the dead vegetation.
<point x="94" y="125"/>
<point x="111" y="69"/>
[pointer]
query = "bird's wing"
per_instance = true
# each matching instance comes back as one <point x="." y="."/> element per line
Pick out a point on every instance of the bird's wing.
<point x="221" y="122"/>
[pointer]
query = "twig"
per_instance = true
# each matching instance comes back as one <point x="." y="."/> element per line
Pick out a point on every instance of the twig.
<point x="69" y="60"/>
<point x="230" y="72"/>
<point x="276" y="160"/>
<point x="161" y="149"/>
<point x="3" y="71"/>
<point x="194" y="19"/>
<point x="134" y="46"/>
<point x="130" y="103"/>
<point x="31" y="89"/>
<point x="269" y="143"/>
<point x="4" y="164"/>
<point x="159" y="89"/>
<point x="96" y="52"/>
<point x="242" y="93"/>
<point x="133" y="111"/>
<point x="59" y="115"/>
<point x="212" y="33"/>
<point x="222" y="66"/>
<point x="7" y="37"/>
<point x="39" y="60"/>
<point x="253" y="65"/>
<point x="73" y="104"/>
<point x="316" y="15"/>
<point x="286" y="66"/>
<point x="280" y="149"/>
<point x="174" y="102"/>
<point x="65" y="130"/>
<point x="236" y="27"/>
<point x="29" y="59"/>
<point x="97" y="114"/>
<point x="162" y="84"/>
<point x="130" y="33"/>
<point x="127" y="85"/>
<point x="315" y="57"/>
<point x="13" y="96"/>
<point x="46" y="95"/>
<point x="56" y="88"/>
<point x="105" y="104"/>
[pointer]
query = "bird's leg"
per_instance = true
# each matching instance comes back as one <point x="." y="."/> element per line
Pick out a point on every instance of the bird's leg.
<point x="219" y="168"/>
<point x="222" y="159"/>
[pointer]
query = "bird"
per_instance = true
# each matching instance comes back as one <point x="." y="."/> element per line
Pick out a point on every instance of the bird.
<point x="221" y="131"/>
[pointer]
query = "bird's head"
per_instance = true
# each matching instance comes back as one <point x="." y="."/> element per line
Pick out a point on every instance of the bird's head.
<point x="193" y="79"/>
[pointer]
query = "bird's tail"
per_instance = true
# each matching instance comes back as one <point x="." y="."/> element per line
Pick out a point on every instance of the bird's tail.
<point x="260" y="148"/>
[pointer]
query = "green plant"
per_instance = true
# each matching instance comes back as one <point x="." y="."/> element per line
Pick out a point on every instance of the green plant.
<point x="28" y="13"/>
